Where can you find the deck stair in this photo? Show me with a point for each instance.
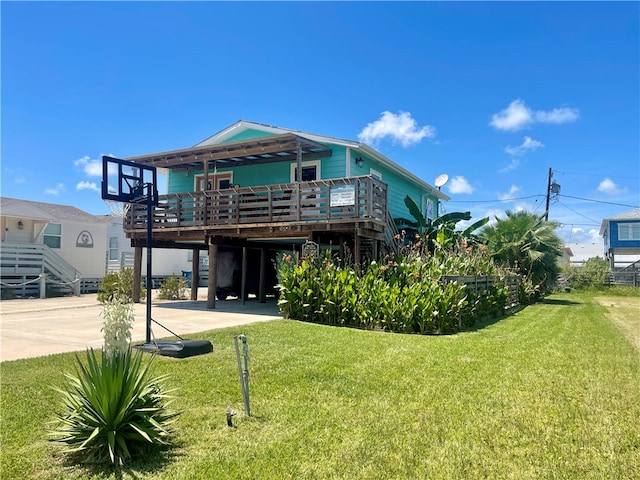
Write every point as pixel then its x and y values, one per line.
pixel 23 266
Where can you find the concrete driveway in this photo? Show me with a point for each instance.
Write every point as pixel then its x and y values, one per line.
pixel 36 327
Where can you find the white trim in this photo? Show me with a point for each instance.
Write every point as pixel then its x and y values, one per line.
pixel 310 163
pixel 375 174
pixel 347 163
pixel 214 178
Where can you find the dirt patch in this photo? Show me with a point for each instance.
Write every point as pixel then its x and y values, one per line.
pixel 624 313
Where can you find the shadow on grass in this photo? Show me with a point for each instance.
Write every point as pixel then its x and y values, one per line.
pixel 555 301
pixel 148 462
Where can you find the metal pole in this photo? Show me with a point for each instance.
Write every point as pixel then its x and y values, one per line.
pixel 546 210
pixel 149 280
pixel 243 374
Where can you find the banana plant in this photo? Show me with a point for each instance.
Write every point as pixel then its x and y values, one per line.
pixel 440 231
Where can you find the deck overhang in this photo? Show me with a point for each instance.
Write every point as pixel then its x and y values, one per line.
pixel 275 148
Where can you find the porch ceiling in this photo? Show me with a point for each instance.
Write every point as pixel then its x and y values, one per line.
pixel 276 148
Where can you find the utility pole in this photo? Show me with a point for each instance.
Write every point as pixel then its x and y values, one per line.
pixel 546 210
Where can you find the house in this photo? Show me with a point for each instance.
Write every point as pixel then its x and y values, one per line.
pixel 120 253
pixel 255 189
pixel 622 239
pixel 45 242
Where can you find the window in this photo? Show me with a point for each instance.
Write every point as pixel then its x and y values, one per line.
pixel 375 174
pixel 629 231
pixel 220 180
pixel 310 171
pixel 53 235
pixel 113 248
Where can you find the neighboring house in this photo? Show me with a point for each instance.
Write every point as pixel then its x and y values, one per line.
pixel 62 242
pixel 565 257
pixel 622 239
pixel 120 253
pixel 254 188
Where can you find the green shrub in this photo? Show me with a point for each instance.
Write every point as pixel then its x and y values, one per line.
pixel 119 285
pixel 112 409
pixel 173 288
pixel 7 293
pixel 594 273
pixel 401 294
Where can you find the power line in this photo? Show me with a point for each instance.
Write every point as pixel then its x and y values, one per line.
pixel 577 213
pixel 601 201
pixel 495 200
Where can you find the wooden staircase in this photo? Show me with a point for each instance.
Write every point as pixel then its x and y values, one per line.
pixel 23 265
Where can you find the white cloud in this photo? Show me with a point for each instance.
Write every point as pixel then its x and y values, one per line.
pixel 513 192
pixel 609 187
pixel 55 190
pixel 88 186
pixel 459 184
pixel 558 115
pixel 93 168
pixel 400 128
pixel 528 144
pixel 513 164
pixel 518 116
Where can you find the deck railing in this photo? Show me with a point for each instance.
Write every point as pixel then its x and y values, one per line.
pixel 318 201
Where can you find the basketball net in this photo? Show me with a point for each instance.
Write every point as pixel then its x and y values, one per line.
pixel 117 209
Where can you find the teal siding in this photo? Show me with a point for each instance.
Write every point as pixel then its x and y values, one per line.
pixel 398 188
pixel 331 167
pixel 247 135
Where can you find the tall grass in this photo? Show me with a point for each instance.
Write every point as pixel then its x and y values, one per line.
pixel 550 392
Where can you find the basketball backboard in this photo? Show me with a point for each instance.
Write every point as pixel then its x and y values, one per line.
pixel 129 182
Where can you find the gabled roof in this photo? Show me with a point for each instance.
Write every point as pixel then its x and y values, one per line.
pixel 630 215
pixel 218 147
pixel 48 212
pixel 243 125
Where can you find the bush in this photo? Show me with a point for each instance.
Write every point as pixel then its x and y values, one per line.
pixel 173 288
pixel 402 294
pixel 119 285
pixel 594 273
pixel 112 409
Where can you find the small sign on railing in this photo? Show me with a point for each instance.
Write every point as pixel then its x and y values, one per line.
pixel 343 196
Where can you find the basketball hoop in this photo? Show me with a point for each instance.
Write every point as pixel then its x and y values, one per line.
pixel 116 209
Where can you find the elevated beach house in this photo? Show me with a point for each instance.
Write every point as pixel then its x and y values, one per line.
pixel 622 239
pixel 256 189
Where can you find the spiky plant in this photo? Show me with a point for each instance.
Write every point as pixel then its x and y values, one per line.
pixel 112 409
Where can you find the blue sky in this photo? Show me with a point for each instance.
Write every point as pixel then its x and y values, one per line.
pixel 493 94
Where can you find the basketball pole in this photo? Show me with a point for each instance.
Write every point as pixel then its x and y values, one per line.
pixel 149 279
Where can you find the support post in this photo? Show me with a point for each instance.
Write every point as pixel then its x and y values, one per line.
pixel 212 282
pixel 43 285
pixel 195 273
pixel 243 282
pixel 262 286
pixel 137 274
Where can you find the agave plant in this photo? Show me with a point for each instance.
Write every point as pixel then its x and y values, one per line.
pixel 112 409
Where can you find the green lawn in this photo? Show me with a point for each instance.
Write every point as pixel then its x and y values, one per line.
pixel 550 392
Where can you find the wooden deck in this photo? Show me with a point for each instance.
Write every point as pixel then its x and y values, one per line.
pixel 269 211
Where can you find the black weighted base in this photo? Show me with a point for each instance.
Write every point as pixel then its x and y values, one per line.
pixel 177 348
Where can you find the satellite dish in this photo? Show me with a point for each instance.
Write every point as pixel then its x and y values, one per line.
pixel 441 180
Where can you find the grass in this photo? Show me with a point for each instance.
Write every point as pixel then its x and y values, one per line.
pixel 550 392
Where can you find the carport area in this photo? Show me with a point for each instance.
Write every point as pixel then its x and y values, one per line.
pixel 37 327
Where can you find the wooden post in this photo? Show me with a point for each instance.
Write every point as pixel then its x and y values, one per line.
pixel 137 273
pixel 195 273
pixel 211 284
pixel 243 283
pixel 262 288
pixel 356 252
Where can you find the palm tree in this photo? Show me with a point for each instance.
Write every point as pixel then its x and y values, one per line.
pixel 526 243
